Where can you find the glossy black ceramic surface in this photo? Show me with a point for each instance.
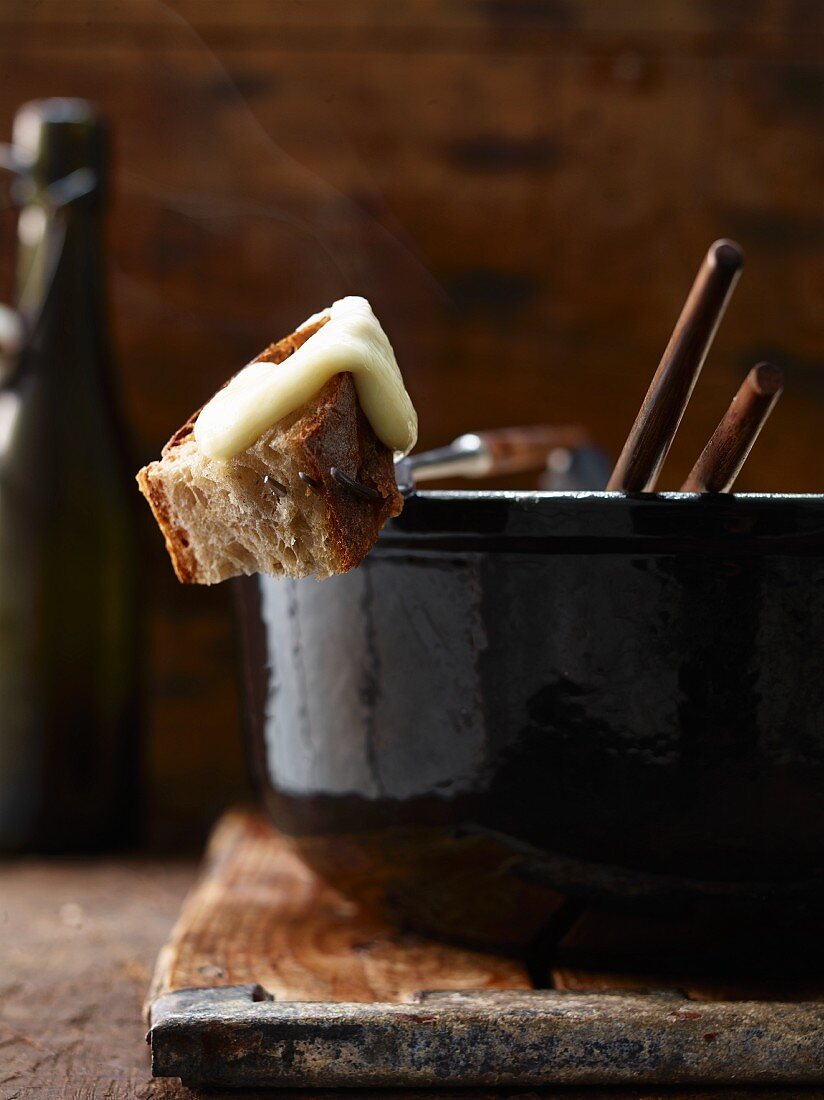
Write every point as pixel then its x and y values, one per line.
pixel 617 695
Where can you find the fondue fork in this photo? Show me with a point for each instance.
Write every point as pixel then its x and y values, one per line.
pixel 489 454
pixel 660 414
pixel 726 452
pixel 472 455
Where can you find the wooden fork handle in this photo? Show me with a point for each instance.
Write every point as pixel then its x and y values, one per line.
pixel 514 450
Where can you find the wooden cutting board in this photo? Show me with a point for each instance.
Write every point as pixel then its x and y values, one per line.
pixel 272 978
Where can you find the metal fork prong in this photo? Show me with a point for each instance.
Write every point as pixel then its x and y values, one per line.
pixel 308 481
pixel 275 485
pixel 357 487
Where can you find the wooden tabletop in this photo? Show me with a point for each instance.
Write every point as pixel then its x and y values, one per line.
pixel 77 947
pixel 79 940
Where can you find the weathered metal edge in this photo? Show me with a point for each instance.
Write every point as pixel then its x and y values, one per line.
pixel 237 1036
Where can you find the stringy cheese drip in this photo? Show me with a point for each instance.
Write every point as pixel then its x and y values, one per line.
pixel 260 395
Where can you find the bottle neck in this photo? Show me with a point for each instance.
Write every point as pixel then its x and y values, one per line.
pixel 61 286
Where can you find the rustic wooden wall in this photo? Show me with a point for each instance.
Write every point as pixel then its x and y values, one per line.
pixel 524 189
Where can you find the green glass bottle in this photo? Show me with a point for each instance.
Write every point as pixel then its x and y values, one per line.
pixel 69 627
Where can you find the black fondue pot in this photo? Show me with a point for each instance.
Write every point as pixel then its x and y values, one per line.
pixel 524 695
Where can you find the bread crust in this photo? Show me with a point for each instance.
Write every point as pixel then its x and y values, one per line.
pixel 153 487
pixel 330 430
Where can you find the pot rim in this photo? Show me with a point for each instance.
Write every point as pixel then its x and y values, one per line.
pixel 598 522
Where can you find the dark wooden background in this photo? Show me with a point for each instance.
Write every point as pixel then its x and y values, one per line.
pixel 523 188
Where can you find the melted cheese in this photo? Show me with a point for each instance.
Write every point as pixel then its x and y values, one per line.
pixel 260 395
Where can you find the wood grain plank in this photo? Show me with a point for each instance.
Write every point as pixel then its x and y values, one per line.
pixel 679 22
pixel 259 916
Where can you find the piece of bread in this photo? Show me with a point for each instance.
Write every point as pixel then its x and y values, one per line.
pixel 222 519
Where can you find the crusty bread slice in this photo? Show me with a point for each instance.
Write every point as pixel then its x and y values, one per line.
pixel 222 519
